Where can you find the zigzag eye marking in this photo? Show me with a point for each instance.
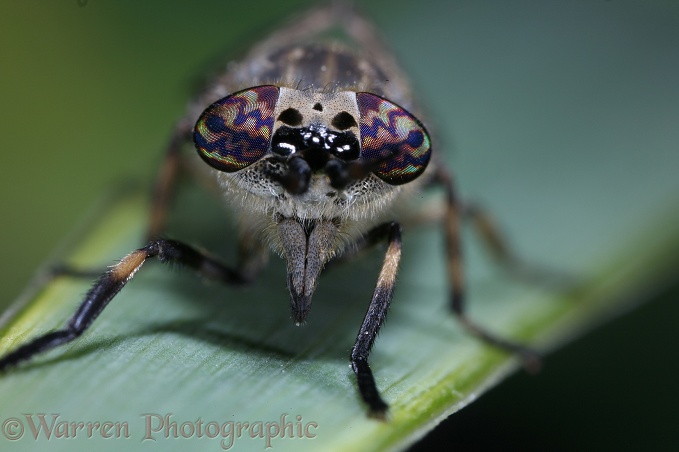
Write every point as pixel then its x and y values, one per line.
pixel 392 138
pixel 235 131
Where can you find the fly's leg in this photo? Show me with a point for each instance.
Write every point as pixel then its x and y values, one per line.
pixel 375 316
pixel 435 212
pixel 167 179
pixel 111 282
pixel 530 359
pixel 162 196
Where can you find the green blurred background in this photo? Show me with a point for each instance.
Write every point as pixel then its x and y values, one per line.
pixel 573 105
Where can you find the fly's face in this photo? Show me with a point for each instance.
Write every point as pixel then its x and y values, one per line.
pixel 313 154
pixel 311 169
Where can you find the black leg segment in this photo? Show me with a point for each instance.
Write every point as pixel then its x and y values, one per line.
pixel 374 318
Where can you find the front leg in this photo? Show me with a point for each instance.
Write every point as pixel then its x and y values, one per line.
pixel 377 312
pixel 111 282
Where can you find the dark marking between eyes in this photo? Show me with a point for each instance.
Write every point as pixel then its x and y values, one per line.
pixel 291 117
pixel 343 121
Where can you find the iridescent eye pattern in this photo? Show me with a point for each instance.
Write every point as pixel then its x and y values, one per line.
pixel 394 138
pixel 235 131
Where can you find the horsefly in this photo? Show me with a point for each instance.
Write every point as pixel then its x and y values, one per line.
pixel 313 139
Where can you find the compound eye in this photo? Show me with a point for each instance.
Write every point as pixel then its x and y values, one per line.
pixel 392 138
pixel 235 131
